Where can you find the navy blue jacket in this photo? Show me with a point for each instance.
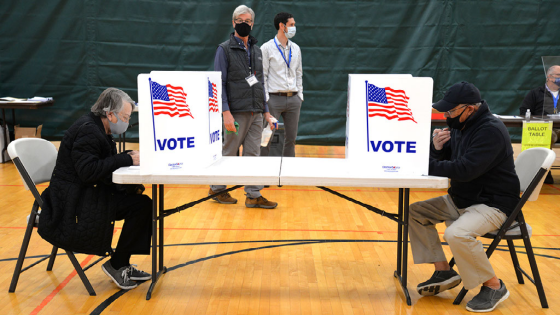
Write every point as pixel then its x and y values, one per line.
pixel 479 162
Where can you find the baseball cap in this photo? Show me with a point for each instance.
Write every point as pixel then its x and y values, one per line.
pixel 459 93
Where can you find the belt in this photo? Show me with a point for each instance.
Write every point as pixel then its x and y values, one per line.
pixel 288 94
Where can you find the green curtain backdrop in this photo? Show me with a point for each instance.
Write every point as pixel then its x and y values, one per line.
pixel 73 50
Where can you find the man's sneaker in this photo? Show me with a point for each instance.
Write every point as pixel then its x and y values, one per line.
pixel 138 275
pixel 120 277
pixel 439 282
pixel 260 202
pixel 487 299
pixel 224 198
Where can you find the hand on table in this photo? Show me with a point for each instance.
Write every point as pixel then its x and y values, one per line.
pixel 135 157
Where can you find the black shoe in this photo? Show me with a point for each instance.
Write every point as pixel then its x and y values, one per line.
pixel 439 282
pixel 548 179
pixel 487 299
pixel 138 275
pixel 120 277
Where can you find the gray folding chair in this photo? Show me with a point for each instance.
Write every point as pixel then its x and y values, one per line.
pixel 35 160
pixel 531 167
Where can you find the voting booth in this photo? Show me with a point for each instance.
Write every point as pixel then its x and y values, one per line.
pixel 388 120
pixel 180 118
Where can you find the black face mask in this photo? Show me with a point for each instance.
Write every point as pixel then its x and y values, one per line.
pixel 243 29
pixel 455 122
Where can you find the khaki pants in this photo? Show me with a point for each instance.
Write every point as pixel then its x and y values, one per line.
pixel 249 135
pixel 464 225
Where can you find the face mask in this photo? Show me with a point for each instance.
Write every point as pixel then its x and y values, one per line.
pixel 291 32
pixel 243 29
pixel 557 81
pixel 455 122
pixel 118 127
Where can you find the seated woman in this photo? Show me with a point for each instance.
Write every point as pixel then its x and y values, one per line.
pixel 82 203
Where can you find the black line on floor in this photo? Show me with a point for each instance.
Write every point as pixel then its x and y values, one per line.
pixel 101 307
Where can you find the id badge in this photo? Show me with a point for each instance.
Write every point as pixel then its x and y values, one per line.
pixel 252 80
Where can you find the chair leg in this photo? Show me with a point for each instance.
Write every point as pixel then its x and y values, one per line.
pixel 535 270
pixel 81 273
pixel 24 246
pixel 460 296
pixel 515 262
pixel 52 258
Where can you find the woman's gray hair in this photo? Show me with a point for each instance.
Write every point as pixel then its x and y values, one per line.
pixel 111 100
pixel 243 9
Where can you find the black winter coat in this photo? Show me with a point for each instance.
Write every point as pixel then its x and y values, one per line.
pixel 479 162
pixel 78 212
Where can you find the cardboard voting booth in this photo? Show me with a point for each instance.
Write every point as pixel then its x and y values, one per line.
pixel 180 118
pixel 388 121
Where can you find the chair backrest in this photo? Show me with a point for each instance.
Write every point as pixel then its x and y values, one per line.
pixel 37 157
pixel 529 163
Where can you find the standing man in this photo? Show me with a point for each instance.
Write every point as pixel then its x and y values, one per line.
pixel 477 156
pixel 243 101
pixel 283 76
pixel 543 100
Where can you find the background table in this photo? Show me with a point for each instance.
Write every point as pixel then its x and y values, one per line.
pixel 280 171
pixel 13 105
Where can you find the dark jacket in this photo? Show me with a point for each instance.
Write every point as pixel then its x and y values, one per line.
pixel 78 213
pixel 479 162
pixel 241 96
pixel 538 100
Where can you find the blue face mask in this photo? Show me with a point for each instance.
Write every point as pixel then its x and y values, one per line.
pixel 557 81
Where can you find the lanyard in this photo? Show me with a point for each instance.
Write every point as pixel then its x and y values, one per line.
pixel 555 100
pixel 281 53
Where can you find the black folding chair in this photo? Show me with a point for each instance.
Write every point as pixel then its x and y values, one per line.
pixel 35 160
pixel 531 167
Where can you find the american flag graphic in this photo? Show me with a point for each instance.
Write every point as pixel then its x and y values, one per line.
pixel 388 103
pixel 169 100
pixel 212 97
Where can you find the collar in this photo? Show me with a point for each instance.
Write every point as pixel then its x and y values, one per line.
pixel 99 123
pixel 279 43
pixel 239 42
pixel 548 89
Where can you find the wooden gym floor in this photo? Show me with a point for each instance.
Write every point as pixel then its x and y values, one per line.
pixel 314 254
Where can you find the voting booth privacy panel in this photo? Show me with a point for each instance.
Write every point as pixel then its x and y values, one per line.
pixel 388 123
pixel 387 130
pixel 180 117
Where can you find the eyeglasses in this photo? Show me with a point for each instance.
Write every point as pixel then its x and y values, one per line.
pixel 448 113
pixel 125 118
pixel 239 21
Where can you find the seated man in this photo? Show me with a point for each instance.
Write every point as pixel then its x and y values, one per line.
pixel 543 100
pixel 81 203
pixel 477 156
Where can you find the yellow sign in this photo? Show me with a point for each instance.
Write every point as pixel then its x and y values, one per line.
pixel 536 134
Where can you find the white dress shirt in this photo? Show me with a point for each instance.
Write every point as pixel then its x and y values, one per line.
pixel 278 77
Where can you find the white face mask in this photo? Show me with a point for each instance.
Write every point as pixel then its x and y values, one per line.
pixel 291 32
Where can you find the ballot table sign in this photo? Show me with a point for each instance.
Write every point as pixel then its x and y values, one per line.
pixel 388 121
pixel 536 134
pixel 180 120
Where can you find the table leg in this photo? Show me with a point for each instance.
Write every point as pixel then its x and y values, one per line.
pixel 5 132
pixel 162 268
pixel 402 243
pixel 154 242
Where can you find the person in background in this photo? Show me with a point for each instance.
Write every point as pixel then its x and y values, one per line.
pixel 239 59
pixel 543 100
pixel 283 78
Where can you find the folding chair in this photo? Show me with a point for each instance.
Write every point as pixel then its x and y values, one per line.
pixel 531 167
pixel 35 160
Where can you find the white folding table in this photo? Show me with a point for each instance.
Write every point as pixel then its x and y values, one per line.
pixel 318 172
